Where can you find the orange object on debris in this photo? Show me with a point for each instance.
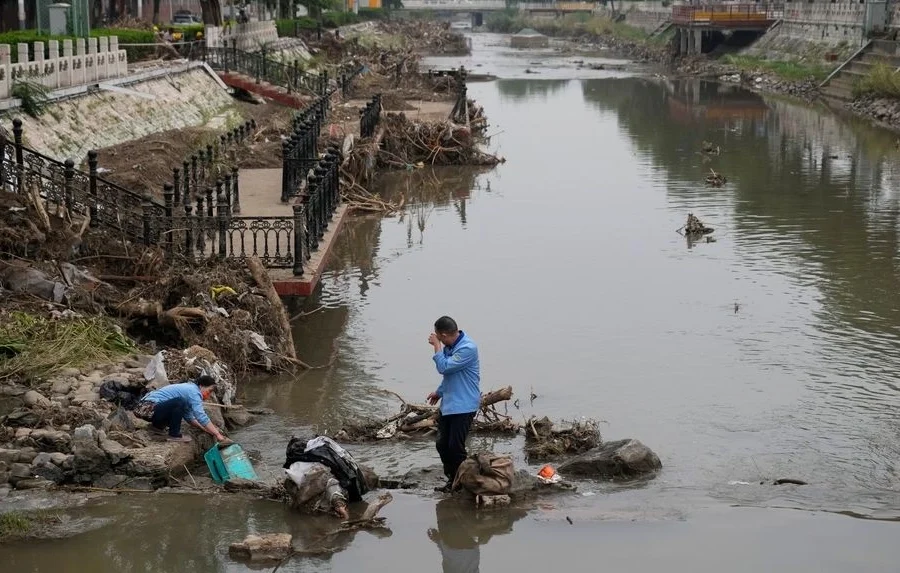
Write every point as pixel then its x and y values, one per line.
pixel 547 472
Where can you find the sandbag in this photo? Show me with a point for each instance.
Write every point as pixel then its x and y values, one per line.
pixel 485 473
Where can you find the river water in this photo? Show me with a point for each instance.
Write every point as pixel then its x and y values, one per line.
pixel 769 352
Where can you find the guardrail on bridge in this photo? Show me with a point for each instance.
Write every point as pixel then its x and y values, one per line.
pixel 728 15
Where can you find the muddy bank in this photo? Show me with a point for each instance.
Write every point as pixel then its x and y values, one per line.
pixel 145 164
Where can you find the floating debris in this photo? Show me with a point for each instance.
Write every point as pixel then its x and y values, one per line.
pixel 715 179
pixel 711 148
pixel 695 227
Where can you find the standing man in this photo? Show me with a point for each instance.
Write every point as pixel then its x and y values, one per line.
pixel 456 358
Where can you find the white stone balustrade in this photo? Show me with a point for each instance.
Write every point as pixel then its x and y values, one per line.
pixel 100 59
pixel 248 37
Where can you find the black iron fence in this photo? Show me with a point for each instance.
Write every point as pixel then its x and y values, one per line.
pixel 369 116
pixel 300 151
pixel 262 67
pixel 320 199
pixel 61 186
pixel 208 227
pixel 200 215
pixel 212 163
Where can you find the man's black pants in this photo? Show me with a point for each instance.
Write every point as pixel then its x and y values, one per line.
pixel 451 440
pixel 170 413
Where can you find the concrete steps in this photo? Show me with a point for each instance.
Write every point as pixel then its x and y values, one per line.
pixel 878 52
pixel 660 30
pixel 879 58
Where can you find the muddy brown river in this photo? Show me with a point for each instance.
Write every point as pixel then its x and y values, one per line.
pixel 770 352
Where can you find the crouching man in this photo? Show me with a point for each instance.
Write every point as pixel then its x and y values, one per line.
pixel 323 477
pixel 168 406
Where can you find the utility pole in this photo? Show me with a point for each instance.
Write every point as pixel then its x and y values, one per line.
pixel 21 14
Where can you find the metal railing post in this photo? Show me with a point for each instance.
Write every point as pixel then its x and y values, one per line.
pixel 222 208
pixel 176 186
pixel 68 186
pixel 236 197
pixel 188 231
pixel 92 187
pixel 169 195
pixel 147 205
pixel 298 240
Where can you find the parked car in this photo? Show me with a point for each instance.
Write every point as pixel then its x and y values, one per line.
pixel 185 18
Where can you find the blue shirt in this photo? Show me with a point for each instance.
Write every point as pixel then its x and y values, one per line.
pixel 189 392
pixel 459 391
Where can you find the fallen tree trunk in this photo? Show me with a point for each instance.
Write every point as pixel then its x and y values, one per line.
pixel 261 276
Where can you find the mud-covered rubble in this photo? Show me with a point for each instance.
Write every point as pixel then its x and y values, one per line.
pixel 62 432
pixel 760 80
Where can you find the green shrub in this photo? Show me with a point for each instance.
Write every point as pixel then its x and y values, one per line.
pixel 788 70
pixel 33 96
pixel 36 347
pixel 125 35
pixel 881 81
pixel 330 20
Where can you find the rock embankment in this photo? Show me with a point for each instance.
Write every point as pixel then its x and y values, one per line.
pixel 61 431
pixel 882 110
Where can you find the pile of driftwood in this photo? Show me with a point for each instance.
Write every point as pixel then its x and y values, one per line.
pixel 544 442
pixel 421 420
pixel 407 143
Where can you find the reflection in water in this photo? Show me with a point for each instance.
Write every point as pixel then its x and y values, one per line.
pixel 529 90
pixel 813 199
pixel 461 531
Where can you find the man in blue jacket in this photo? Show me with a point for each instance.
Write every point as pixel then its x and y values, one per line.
pixel 171 404
pixel 456 358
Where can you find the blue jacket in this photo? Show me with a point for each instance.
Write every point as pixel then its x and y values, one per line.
pixel 459 391
pixel 187 391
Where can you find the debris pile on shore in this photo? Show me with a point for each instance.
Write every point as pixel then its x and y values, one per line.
pixel 84 313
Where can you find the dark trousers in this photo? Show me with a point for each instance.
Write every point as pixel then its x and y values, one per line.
pixel 169 413
pixel 451 441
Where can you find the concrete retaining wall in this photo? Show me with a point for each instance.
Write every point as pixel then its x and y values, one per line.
pixel 644 15
pixel 825 23
pixel 84 64
pixel 178 98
